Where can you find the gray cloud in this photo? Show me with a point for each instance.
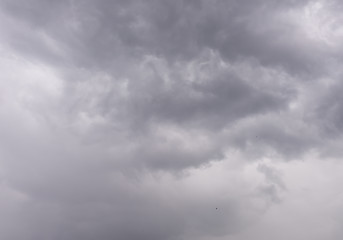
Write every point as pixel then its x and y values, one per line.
pixel 166 119
pixel 94 32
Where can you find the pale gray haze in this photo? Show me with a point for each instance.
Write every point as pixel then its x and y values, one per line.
pixel 171 120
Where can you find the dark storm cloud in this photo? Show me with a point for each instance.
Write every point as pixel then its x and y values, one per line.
pixel 329 110
pixel 144 119
pixel 219 99
pixel 94 32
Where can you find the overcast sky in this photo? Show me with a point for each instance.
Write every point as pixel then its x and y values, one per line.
pixel 171 120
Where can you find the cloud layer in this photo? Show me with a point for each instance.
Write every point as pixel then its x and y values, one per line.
pixel 170 120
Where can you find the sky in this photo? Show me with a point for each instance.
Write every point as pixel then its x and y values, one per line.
pixel 171 119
